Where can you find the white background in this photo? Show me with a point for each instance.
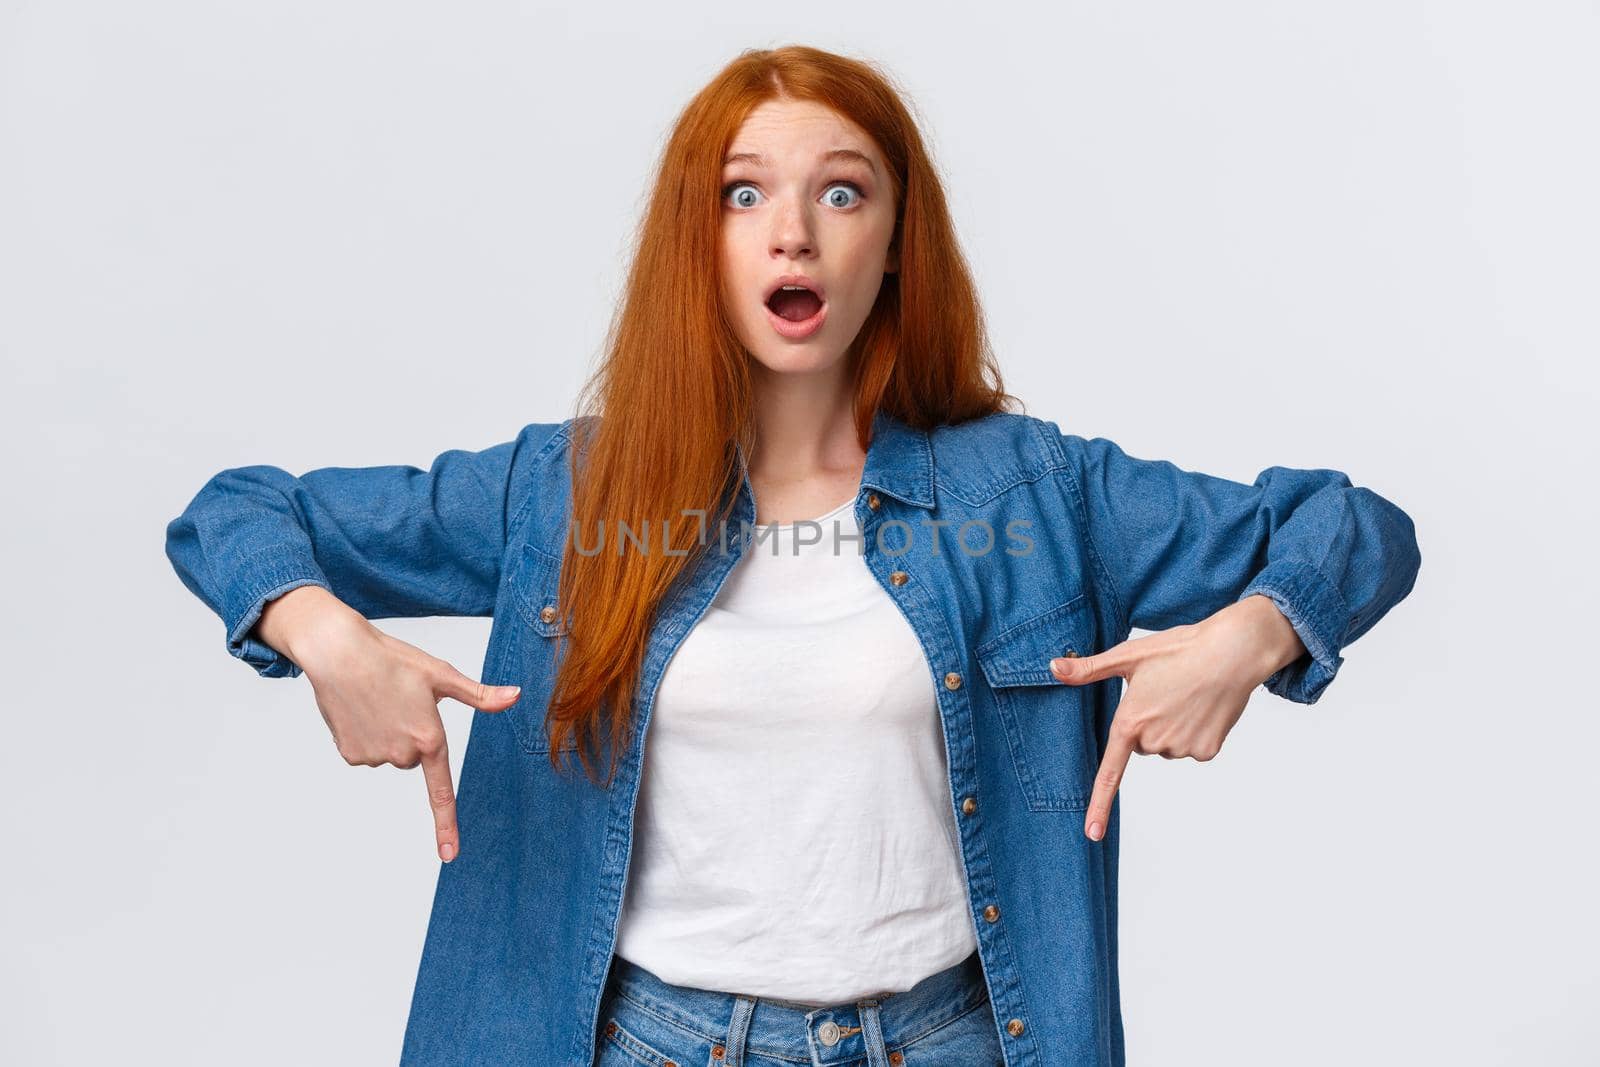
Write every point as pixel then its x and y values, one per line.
pixel 1357 235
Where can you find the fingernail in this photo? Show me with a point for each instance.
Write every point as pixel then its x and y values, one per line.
pixel 447 851
pixel 512 690
pixel 1060 664
pixel 1094 831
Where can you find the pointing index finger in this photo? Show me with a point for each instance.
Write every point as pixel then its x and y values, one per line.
pixel 1107 779
pixel 442 799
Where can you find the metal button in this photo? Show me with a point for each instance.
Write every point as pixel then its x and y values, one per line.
pixel 717 1052
pixel 873 501
pixel 897 1058
pixel 1014 1027
pixel 952 680
pixel 968 806
pixel 547 614
pixel 829 1033
pixel 991 913
pixel 898 577
pixel 1070 653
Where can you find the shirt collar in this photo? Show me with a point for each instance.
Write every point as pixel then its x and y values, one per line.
pixel 899 461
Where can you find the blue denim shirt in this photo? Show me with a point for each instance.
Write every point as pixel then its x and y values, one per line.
pixel 1047 542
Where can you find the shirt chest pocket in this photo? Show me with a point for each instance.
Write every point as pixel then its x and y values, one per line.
pixel 531 653
pixel 1049 725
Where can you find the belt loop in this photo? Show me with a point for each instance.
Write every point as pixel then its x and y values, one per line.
pixel 738 1029
pixel 872 1033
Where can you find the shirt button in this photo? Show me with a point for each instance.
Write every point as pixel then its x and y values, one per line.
pixel 547 614
pixel 898 577
pixel 952 680
pixel 829 1033
pixel 1015 1028
pixel 1070 653
pixel 873 501
pixel 968 806
pixel 991 913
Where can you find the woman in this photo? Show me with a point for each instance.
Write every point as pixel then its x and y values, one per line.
pixel 878 822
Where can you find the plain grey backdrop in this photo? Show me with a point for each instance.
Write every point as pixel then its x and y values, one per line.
pixel 1232 235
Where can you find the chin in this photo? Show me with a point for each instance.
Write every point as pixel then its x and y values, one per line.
pixel 796 358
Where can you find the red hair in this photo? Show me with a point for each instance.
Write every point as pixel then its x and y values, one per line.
pixel 675 378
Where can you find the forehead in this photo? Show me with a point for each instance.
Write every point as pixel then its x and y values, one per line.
pixel 798 132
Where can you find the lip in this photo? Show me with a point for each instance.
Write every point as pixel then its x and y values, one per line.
pixel 805 327
pixel 795 279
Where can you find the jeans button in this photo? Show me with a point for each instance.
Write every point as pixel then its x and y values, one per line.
pixel 829 1033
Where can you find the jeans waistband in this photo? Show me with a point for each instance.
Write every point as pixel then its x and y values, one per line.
pixel 782 1028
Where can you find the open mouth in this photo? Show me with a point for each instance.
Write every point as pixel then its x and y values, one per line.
pixel 794 303
pixel 796 308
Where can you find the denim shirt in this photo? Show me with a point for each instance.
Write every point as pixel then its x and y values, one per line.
pixel 1004 541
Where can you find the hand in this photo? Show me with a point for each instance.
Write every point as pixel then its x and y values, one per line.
pixel 380 698
pixel 1187 686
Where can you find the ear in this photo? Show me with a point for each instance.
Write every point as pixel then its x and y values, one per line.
pixel 891 262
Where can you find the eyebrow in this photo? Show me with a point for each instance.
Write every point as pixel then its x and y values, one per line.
pixel 846 154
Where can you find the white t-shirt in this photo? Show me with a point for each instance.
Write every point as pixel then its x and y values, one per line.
pixel 794 837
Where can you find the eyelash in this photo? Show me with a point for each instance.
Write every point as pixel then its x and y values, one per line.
pixel 860 195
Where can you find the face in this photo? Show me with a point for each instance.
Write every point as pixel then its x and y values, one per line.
pixel 805 194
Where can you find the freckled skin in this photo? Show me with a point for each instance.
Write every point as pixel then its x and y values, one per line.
pixel 793 224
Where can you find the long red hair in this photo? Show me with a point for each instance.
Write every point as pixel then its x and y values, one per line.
pixel 673 391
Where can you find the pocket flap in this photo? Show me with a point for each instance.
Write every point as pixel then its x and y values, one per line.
pixel 534 585
pixel 1021 655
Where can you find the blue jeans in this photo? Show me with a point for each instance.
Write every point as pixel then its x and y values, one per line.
pixel 945 1020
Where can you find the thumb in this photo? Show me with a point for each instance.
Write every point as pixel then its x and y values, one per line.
pixel 473 693
pixel 1080 670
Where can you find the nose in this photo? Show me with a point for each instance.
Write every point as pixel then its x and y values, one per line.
pixel 792 234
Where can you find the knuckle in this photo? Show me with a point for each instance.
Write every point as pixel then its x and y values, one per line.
pixel 1132 719
pixel 441 796
pixel 432 670
pixel 439 671
pixel 441 676
pixel 429 741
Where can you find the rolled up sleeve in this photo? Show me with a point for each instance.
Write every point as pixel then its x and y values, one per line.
pixel 1176 546
pixel 390 541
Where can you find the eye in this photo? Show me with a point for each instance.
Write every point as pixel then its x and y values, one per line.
pixel 742 199
pixel 832 195
pixel 839 194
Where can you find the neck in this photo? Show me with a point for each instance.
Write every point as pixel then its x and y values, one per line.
pixel 804 426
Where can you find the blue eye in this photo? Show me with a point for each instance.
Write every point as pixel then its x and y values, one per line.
pixel 743 194
pixel 833 201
